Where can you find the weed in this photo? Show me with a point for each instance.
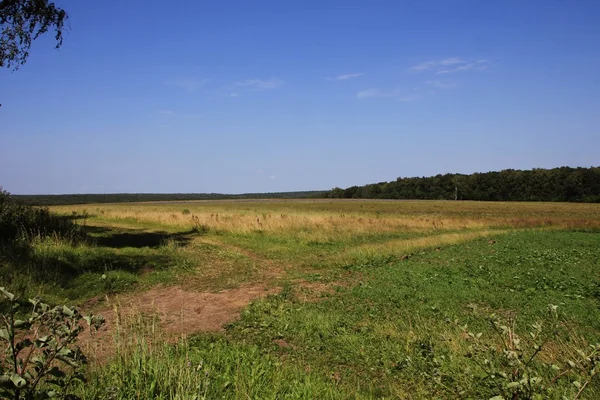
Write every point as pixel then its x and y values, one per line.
pixel 40 359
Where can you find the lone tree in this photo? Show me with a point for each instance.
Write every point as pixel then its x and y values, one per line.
pixel 23 21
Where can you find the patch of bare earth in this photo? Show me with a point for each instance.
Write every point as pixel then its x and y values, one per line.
pixel 186 312
pixel 179 312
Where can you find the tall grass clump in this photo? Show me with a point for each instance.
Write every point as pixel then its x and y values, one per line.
pixel 27 236
pixel 22 222
pixel 146 363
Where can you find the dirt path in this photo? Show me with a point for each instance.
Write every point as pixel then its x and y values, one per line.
pixel 187 312
pixel 178 313
pixel 270 268
pixel 180 310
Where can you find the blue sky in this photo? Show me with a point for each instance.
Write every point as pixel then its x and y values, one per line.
pixel 262 96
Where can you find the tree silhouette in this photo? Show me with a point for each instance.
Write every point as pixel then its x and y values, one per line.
pixel 23 21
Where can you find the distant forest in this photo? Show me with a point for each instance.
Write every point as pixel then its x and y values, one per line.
pixel 58 199
pixel 557 184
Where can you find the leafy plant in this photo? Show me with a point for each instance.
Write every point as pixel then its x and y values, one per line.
pixel 23 222
pixel 40 359
pixel 511 368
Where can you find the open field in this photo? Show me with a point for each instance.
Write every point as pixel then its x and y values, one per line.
pixel 330 298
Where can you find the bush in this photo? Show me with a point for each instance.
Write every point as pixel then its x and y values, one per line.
pixel 39 358
pixel 18 221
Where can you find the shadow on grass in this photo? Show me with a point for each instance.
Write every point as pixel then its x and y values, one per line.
pixel 136 239
pixel 79 265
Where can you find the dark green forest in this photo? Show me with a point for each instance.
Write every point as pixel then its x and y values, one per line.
pixel 59 199
pixel 557 184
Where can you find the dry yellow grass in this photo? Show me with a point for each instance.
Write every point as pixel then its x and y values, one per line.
pixel 343 217
pixel 404 246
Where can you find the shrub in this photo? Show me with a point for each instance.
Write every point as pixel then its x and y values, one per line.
pixel 510 369
pixel 18 221
pixel 39 358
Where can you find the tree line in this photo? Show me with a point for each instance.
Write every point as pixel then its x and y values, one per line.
pixel 557 184
pixel 66 199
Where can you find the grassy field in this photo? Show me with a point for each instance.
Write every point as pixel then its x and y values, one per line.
pixel 361 299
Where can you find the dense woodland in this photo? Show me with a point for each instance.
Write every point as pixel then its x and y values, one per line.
pixel 557 184
pixel 57 199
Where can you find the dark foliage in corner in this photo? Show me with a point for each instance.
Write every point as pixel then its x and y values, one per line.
pixel 23 21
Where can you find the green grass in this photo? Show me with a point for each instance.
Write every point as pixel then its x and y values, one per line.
pixel 403 322
pixel 205 368
pixel 355 318
pixel 400 330
pixel 67 271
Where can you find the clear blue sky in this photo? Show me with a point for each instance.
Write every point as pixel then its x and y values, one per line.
pixel 256 96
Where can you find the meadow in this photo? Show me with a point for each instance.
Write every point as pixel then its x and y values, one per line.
pixel 328 298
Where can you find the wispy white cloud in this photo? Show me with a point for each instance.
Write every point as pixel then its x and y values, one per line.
pixel 424 66
pixel 346 76
pixel 188 84
pixel 272 177
pixel 440 85
pixel 452 61
pixel 479 65
pixel 166 112
pixel 260 84
pixel 450 65
pixel 395 94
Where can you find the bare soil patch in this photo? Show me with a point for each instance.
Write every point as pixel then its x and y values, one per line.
pixel 179 312
pixel 187 312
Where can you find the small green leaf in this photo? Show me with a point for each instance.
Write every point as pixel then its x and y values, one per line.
pixel 577 384
pixel 7 294
pixel 66 310
pixel 18 381
pixel 64 352
pixel 4 334
pixel 535 380
pixel 497 398
pixel 22 324
pixel 41 341
pixel 512 385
